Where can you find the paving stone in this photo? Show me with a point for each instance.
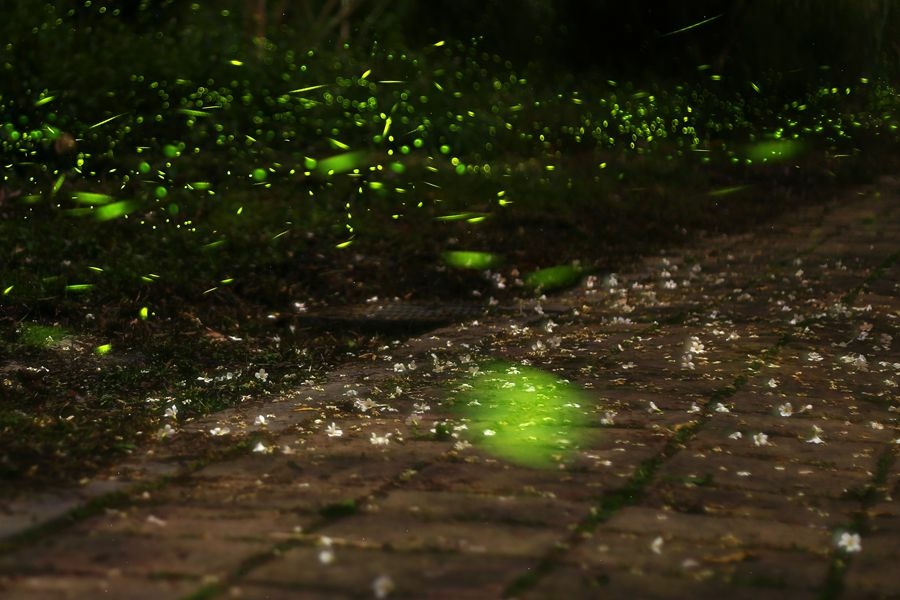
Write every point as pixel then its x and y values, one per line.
pixel 352 571
pixel 62 587
pixel 591 583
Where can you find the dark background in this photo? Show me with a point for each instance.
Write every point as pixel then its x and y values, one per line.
pixel 624 39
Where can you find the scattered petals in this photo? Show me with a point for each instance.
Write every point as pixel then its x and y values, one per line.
pixel 219 431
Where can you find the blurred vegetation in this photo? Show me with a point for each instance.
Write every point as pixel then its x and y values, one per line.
pixel 181 181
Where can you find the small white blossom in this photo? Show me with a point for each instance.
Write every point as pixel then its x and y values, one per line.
pixel 849 542
pixel 172 412
pixel 399 368
pixel 721 408
pixel 608 418
pixel 261 448
pixel 653 408
pixel 786 410
pixel 694 408
pixel 657 544
pixel 772 383
pixel 761 439
pixel 334 431
pixel 154 520
pixel 379 440
pixel 167 431
pixel 261 420
pixel 262 375
pixel 219 431
pixel 364 405
pixel 736 435
pixel 326 555
pixel 815 439
pixel 489 433
pixel 814 357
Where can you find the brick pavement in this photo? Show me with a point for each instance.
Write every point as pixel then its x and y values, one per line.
pixel 731 411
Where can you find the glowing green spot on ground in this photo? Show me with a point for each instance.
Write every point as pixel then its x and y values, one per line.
pixel 774 150
pixel 397 167
pixel 462 259
pixel 343 244
pixel 171 151
pixel 523 415
pixel 8 290
pixel 200 185
pixel 79 287
pixel 445 149
pixel 45 100
pixel 341 163
pixel 103 349
pixel 553 278
pixel 258 174
pixel 144 168
pixel 91 198
pixel 235 62
pixel 160 192
pixel 41 336
pixel 310 163
pixel 114 210
pixel 144 313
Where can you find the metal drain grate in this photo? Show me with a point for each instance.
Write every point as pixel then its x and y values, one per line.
pixel 395 315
